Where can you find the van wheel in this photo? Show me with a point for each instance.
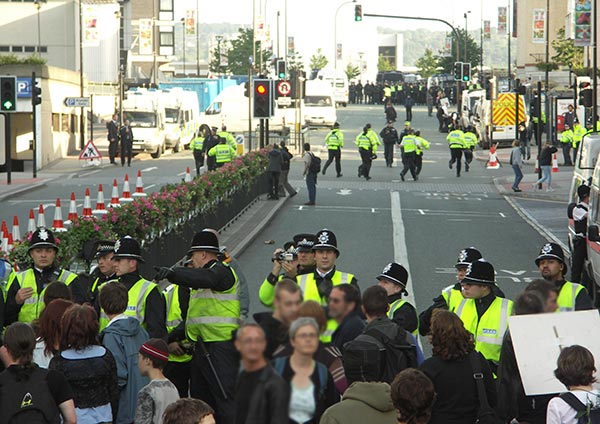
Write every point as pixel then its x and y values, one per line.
pixel 344 104
pixel 158 153
pixel 177 147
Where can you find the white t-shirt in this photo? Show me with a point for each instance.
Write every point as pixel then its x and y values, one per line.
pixel 559 412
pixel 302 403
pixel 39 356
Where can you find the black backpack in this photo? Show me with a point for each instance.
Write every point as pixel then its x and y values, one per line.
pixel 390 355
pixel 27 400
pixel 570 208
pixel 315 164
pixel 584 415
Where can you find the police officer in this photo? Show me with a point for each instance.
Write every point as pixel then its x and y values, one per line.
pixel 318 284
pixel 229 138
pixel 25 289
pixel 580 218
pixel 106 269
pixel 211 140
pixel 197 148
pixel 470 143
pixel 456 142
pixel 578 133
pixel 305 263
pixel 566 141
pixel 126 143
pixel 222 152
pixel 484 314
pixel 145 302
pixel 213 316
pixel 389 135
pixel 334 141
pixel 552 266
pixel 393 279
pixel 422 145
pixel 409 146
pixel 365 149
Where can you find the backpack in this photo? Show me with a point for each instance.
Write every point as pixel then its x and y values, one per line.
pixel 390 356
pixel 315 164
pixel 279 365
pixel 570 207
pixel 28 400
pixel 584 415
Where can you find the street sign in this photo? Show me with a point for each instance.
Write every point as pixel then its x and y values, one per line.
pixel 284 101
pixel 284 88
pixel 90 151
pixel 77 102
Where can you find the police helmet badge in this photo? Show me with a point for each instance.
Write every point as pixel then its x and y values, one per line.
pixel 546 249
pixel 469 268
pixel 324 237
pixel 117 245
pixel 462 256
pixel 43 234
pixel 387 268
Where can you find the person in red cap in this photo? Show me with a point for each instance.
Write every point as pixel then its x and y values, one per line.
pixel 154 398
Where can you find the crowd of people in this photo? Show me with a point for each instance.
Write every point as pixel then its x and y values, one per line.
pixel 181 348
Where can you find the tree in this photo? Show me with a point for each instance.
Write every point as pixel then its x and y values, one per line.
pixel 427 64
pixel 566 51
pixel 295 63
pixel 318 60
pixel 352 71
pixel 238 53
pixel 473 52
pixel 384 65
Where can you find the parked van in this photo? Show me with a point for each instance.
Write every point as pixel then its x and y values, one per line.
pixel 146 114
pixel 339 83
pixel 181 116
pixel 319 104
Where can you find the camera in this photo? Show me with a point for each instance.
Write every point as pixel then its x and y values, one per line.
pixel 286 256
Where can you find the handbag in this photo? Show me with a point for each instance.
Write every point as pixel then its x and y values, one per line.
pixel 485 414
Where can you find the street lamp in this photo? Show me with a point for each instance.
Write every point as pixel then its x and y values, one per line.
pixel 466 36
pixel 335 33
pixel 183 45
pixel 219 38
pixel 38 6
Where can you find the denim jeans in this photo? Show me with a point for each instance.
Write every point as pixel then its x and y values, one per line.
pixel 518 175
pixel 311 186
pixel 546 175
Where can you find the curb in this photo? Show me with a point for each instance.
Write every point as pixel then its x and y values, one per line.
pixel 499 184
pixel 24 189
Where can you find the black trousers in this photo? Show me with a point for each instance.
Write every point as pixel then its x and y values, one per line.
pixel 337 156
pixel 199 160
pixel 408 113
pixel 456 156
pixel 578 259
pixel 419 164
pixel 365 167
pixel 113 146
pixel 204 386
pixel 179 374
pixel 274 184
pixel 126 151
pixel 566 148
pixel 211 163
pixel 388 153
pixel 468 158
pixel 410 159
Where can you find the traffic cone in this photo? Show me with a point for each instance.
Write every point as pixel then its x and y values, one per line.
pixel 10 244
pixel 72 210
pixel 188 176
pixel 41 221
pixel 100 207
pixel 87 203
pixel 139 186
pixel 126 191
pixel 4 237
pixel 114 197
pixel 554 163
pixel 493 160
pixel 31 222
pixel 57 224
pixel 536 168
pixel 16 231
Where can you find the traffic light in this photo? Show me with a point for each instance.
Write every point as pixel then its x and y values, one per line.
pixel 263 98
pixel 458 71
pixel 8 94
pixel 358 13
pixel 585 94
pixel 246 89
pixel 466 72
pixel 36 94
pixel 281 71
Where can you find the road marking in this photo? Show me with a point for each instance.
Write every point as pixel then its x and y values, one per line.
pixel 149 186
pixel 180 174
pixel 87 174
pixel 152 168
pixel 502 215
pixel 344 192
pixel 421 212
pixel 300 208
pixel 459 220
pixel 348 208
pixel 400 250
pixel 372 210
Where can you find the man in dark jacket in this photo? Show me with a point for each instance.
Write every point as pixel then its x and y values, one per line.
pixel 343 305
pixel 113 138
pixel 262 396
pixel 274 170
pixel 211 141
pixel 389 134
pixel 126 143
pixel 390 112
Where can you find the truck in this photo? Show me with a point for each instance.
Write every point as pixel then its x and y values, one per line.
pixel 181 116
pixel 339 83
pixel 146 114
pixel 496 119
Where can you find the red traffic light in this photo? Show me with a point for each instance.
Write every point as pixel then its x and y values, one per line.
pixel 261 89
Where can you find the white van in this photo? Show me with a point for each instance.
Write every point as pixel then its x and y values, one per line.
pixel 181 116
pixel 339 83
pixel 146 114
pixel 319 104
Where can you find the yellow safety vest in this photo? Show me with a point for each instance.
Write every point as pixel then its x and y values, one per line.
pixel 470 139
pixel 566 137
pixel 489 330
pixel 456 139
pixel 424 145
pixel 197 143
pixel 310 291
pixel 213 316
pixel 397 304
pixel 136 301
pixel 33 307
pixel 387 91
pixel 363 141
pixel 409 143
pixel 174 318
pixel 223 153
pixel 567 296
pixel 453 297
pixel 334 140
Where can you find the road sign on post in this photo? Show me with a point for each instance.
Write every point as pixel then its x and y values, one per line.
pixel 77 101
pixel 283 88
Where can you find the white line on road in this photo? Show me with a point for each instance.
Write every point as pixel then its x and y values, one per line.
pixel 502 215
pixel 180 174
pixel 149 186
pixel 152 168
pixel 460 220
pixel 372 210
pixel 300 208
pixel 87 174
pixel 400 250
pixel 421 212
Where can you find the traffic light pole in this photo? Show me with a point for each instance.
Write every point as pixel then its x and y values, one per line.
pixel 261 135
pixel 7 148
pixel 538 129
pixel 34 147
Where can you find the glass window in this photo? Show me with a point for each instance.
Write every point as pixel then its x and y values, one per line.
pixel 65 122
pixel 29 49
pixel 17 49
pixel 44 49
pixel 4 48
pixel 165 5
pixel 166 39
pixel 56 122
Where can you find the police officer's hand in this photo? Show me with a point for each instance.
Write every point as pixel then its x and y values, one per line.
pixel 23 295
pixel 289 268
pixel 276 264
pixel 176 349
pixel 162 273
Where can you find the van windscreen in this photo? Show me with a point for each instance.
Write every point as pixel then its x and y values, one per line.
pixel 317 101
pixel 171 115
pixel 139 119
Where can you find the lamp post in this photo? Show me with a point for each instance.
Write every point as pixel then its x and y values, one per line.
pixel 197 40
pixel 81 120
pixel 508 39
pixel 335 33
pixel 183 44
pixel 219 38
pixel 466 36
pixel 38 6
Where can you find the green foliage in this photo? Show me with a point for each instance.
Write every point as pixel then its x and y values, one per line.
pixel 384 65
pixel 352 71
pixel 318 60
pixel 295 63
pixel 473 52
pixel 427 64
pixel 551 66
pixel 566 52
pixel 13 59
pixel 238 51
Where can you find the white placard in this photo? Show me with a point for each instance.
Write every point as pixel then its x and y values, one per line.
pixel 538 340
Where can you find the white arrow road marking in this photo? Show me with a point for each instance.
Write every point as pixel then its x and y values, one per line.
pixel 152 168
pixel 344 192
